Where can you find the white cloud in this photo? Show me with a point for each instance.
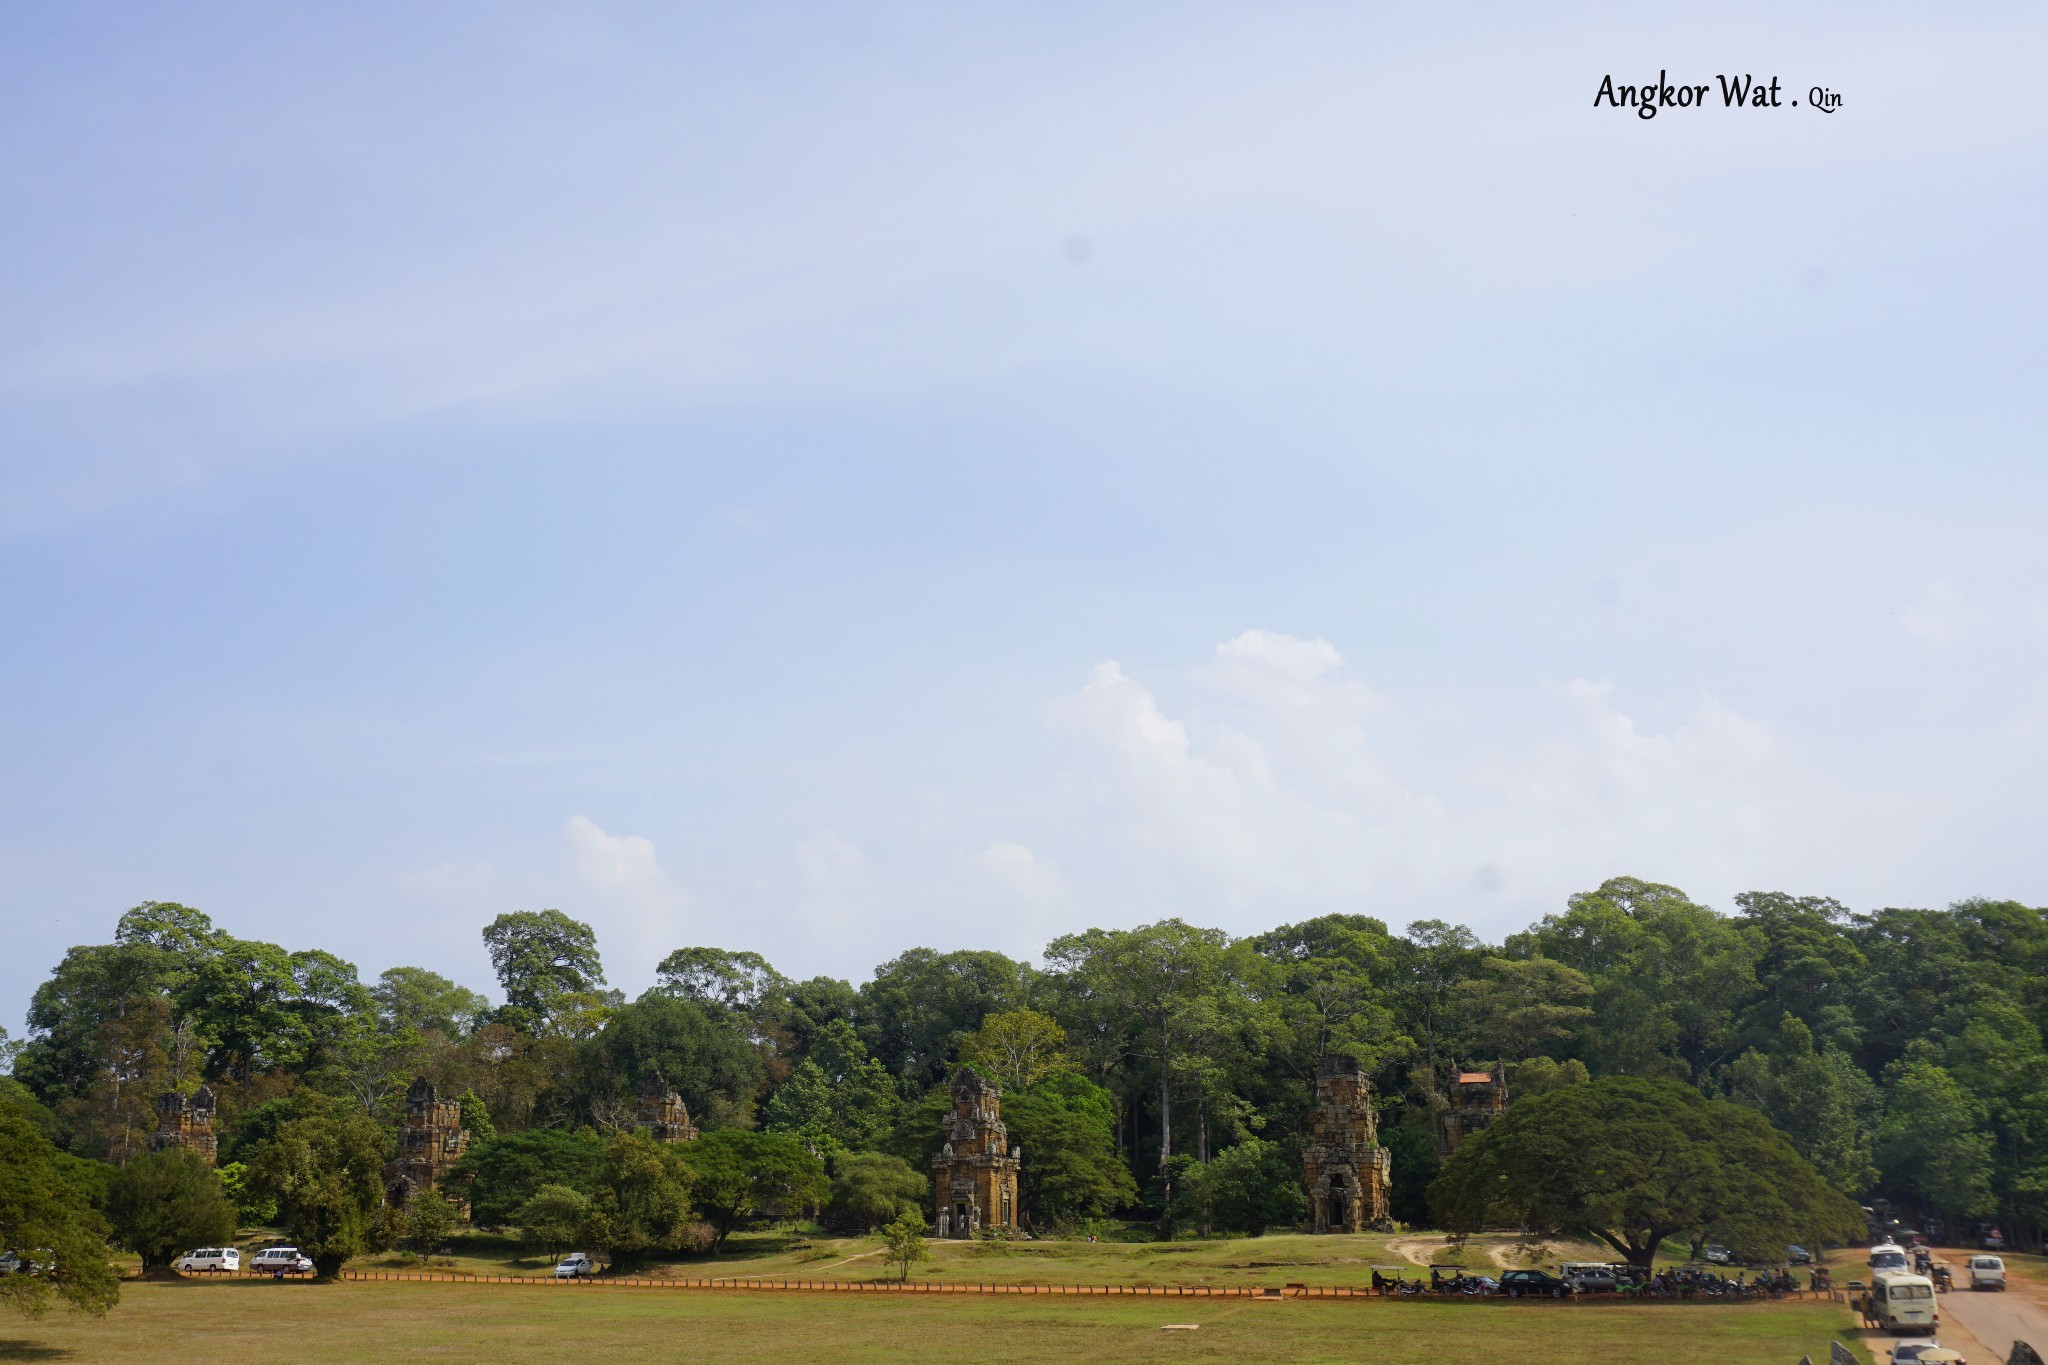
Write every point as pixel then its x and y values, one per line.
pixel 1294 801
pixel 830 863
pixel 625 893
pixel 1028 877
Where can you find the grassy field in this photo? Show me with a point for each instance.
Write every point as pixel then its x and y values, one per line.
pixel 176 1324
pixel 1270 1260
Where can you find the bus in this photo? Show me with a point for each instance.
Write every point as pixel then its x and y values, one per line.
pixel 1899 1302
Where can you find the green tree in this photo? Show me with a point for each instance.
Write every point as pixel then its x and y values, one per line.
pixel 1821 1100
pixel 903 1243
pixel 870 1189
pixel 1633 1162
pixel 920 1004
pixel 643 1197
pixel 1066 1126
pixel 838 1093
pixel 476 1117
pixel 325 1171
pixel 46 1208
pixel 1165 983
pixel 415 1000
pixel 1253 1186
pixel 740 1176
pixel 252 1209
pixel 550 1220
pixel 163 1202
pixel 544 961
pixel 1517 1007
pixel 715 1069
pixel 498 1176
pixel 429 1220
pixel 731 985
pixel 1933 1145
pixel 1017 1048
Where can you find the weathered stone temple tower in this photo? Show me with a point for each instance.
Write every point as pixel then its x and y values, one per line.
pixel 1348 1174
pixel 663 1115
pixel 974 1176
pixel 1477 1099
pixel 431 1141
pixel 186 1121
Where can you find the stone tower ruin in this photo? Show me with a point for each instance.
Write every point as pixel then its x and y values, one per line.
pixel 1348 1174
pixel 974 1176
pixel 663 1115
pixel 432 1140
pixel 1477 1099
pixel 186 1121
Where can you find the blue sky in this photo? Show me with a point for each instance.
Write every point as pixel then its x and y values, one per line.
pixel 831 479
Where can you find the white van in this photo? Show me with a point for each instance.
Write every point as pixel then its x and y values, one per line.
pixel 1987 1272
pixel 1887 1256
pixel 1899 1302
pixel 270 1260
pixel 211 1259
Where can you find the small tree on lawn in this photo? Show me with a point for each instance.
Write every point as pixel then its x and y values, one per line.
pixel 552 1219
pixel 430 1219
pixel 903 1241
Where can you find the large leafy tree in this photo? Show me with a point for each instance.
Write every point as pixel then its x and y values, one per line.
pixel 1821 1101
pixel 738 1176
pixel 46 1210
pixel 1518 1006
pixel 1066 1125
pixel 498 1177
pixel 870 1189
pixel 715 1068
pixel 922 1003
pixel 1156 992
pixel 1017 1048
pixel 325 1172
pixel 1933 1146
pixel 164 1202
pixel 415 1000
pixel 838 1093
pixel 1633 1162
pixel 547 965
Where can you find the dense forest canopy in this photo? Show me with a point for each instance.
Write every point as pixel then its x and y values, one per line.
pixel 1164 1071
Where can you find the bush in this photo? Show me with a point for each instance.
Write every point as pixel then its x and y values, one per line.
pixel 164 1202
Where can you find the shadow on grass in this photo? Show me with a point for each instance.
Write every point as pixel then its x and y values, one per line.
pixel 30 1350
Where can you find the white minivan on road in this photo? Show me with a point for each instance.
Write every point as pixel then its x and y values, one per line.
pixel 1987 1272
pixel 210 1258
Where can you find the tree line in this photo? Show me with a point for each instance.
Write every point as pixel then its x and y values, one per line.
pixel 1163 1073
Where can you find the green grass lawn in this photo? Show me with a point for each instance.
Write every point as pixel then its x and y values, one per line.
pixel 452 1324
pixel 1271 1260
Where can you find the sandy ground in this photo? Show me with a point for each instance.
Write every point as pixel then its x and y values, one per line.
pixel 1983 1326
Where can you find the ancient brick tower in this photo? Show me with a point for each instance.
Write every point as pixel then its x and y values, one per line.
pixel 1348 1174
pixel 186 1121
pixel 974 1176
pixel 1477 1099
pixel 431 1141
pixel 663 1115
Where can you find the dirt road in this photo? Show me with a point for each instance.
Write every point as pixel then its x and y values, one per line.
pixel 1997 1320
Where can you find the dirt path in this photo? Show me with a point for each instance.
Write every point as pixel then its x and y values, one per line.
pixel 851 1259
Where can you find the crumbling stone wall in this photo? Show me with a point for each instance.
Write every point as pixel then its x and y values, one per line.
pixel 186 1121
pixel 1477 1099
pixel 1348 1176
pixel 663 1116
pixel 432 1140
pixel 974 1176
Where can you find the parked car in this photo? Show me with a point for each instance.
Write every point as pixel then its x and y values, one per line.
pixel 575 1266
pixel 1797 1255
pixel 1987 1272
pixel 271 1260
pixel 211 1259
pixel 1589 1277
pixel 1717 1254
pixel 35 1263
pixel 1523 1284
pixel 1925 1353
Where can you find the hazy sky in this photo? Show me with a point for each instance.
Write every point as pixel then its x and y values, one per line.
pixel 828 479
